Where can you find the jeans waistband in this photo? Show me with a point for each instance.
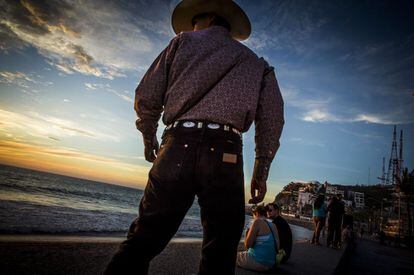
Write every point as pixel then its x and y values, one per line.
pixel 195 124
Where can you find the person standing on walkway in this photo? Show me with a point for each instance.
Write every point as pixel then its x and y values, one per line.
pixel 319 217
pixel 210 89
pixel 283 229
pixel 335 214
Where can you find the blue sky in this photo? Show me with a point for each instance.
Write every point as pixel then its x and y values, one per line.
pixel 68 71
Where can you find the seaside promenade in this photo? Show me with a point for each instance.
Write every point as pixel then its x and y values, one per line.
pixel 89 255
pixel 372 258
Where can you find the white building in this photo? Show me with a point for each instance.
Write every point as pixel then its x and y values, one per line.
pixel 347 203
pixel 304 198
pixel 331 190
pixel 340 192
pixel 359 200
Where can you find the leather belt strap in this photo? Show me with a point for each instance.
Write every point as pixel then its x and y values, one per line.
pixel 203 124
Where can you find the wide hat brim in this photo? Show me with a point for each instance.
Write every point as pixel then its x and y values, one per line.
pixel 229 10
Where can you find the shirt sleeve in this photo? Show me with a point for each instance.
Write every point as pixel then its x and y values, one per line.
pixel 149 95
pixel 269 118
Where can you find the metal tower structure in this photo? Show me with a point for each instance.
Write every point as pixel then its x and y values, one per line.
pixel 400 161
pixel 383 178
pixel 395 162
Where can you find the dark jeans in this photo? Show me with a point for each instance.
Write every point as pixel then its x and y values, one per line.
pixel 334 232
pixel 190 163
pixel 319 223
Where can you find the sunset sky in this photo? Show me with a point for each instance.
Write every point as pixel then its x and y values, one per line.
pixel 68 71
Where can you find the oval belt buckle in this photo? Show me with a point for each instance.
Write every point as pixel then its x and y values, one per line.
pixel 213 126
pixel 188 124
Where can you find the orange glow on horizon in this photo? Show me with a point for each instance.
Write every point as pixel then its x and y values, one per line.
pixel 72 163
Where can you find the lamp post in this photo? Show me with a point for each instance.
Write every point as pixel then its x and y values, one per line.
pixel 382 207
pixel 399 214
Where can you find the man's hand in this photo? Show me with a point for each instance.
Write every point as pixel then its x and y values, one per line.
pixel 260 187
pixel 258 183
pixel 151 148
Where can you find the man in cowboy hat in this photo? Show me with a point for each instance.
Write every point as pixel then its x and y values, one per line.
pixel 211 88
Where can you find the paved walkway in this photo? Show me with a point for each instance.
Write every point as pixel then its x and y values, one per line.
pixel 372 258
pixel 307 259
pixel 89 255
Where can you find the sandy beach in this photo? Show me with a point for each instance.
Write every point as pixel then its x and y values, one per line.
pixel 44 254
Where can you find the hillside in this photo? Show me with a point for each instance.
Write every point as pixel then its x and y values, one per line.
pixel 373 193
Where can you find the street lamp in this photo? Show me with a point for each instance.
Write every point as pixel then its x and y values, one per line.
pixel 382 206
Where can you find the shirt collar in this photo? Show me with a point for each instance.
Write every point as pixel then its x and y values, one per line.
pixel 220 30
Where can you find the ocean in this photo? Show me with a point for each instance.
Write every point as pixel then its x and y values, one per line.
pixel 34 202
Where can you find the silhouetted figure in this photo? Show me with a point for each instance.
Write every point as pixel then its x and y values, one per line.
pixel 382 237
pixel 283 228
pixel 209 88
pixel 319 217
pixel 361 232
pixel 335 214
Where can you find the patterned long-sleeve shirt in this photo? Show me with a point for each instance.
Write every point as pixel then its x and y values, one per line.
pixel 241 87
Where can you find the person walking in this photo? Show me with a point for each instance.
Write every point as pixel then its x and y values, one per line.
pixel 261 242
pixel 335 215
pixel 210 89
pixel 283 229
pixel 319 217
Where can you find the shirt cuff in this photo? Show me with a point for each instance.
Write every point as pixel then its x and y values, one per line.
pixel 147 128
pixel 261 168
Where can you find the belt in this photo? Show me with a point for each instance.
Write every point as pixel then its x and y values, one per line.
pixel 203 124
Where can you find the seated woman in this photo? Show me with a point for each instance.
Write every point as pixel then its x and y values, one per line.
pixel 260 243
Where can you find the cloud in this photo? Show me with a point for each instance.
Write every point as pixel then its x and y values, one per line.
pixel 120 95
pixel 361 135
pixel 370 118
pixel 325 116
pixel 25 81
pixel 9 77
pixel 45 126
pixel 19 79
pixel 307 142
pixel 320 116
pixel 55 139
pixel 93 86
pixel 324 107
pixel 107 87
pixel 296 98
pixel 100 38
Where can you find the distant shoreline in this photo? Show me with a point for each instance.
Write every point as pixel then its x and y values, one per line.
pixel 60 238
pixel 116 235
pixel 108 237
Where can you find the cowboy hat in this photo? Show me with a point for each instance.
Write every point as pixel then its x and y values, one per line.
pixel 229 10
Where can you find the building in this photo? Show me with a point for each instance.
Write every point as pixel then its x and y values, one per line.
pixel 347 203
pixel 359 200
pixel 304 198
pixel 305 201
pixel 340 192
pixel 331 190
